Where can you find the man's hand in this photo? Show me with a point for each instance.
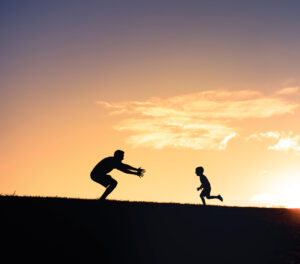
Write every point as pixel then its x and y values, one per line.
pixel 140 172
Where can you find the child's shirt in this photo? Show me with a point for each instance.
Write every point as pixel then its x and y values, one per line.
pixel 204 181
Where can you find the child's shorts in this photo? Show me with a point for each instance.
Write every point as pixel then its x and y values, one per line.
pixel 205 192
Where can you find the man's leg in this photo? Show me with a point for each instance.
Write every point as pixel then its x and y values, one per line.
pixel 107 181
pixel 112 185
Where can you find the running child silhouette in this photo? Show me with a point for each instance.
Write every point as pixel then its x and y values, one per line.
pixel 205 185
pixel 100 173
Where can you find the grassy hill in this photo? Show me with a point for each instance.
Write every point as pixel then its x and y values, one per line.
pixel 58 229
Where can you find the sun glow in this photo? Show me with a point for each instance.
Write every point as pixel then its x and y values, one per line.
pixel 290 193
pixel 286 195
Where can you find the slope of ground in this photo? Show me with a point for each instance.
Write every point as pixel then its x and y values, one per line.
pixel 60 229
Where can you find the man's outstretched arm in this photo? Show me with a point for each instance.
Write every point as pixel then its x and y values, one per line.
pixel 130 170
pixel 128 167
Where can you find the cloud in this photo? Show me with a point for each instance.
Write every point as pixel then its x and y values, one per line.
pixel 224 142
pixel 159 133
pixel 284 141
pixel 261 135
pixel 213 104
pixel 198 120
pixel 287 143
pixel 288 90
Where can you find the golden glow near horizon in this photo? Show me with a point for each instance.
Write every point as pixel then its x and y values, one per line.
pixel 285 194
pixel 191 85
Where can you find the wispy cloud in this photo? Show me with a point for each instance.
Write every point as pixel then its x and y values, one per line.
pixel 167 131
pixel 262 135
pixel 287 143
pixel 288 90
pixel 282 141
pixel 198 120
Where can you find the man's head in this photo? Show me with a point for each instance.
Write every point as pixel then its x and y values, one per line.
pixel 119 155
pixel 199 171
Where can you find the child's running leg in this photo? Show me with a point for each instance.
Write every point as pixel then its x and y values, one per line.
pixel 203 200
pixel 215 197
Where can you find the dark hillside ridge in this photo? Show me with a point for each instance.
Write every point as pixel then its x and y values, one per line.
pixel 65 230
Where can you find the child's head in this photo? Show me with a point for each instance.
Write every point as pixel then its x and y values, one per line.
pixel 199 171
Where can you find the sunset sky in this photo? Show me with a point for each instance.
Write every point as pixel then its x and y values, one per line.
pixel 175 84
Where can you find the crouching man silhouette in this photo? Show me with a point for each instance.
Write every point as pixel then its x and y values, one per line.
pixel 100 173
pixel 205 185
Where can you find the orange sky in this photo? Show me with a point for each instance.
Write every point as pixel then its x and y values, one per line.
pixel 174 87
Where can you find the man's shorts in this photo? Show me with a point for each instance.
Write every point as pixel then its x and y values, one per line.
pixel 205 192
pixel 103 179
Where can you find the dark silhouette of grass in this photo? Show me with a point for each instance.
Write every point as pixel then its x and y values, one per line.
pixel 61 229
